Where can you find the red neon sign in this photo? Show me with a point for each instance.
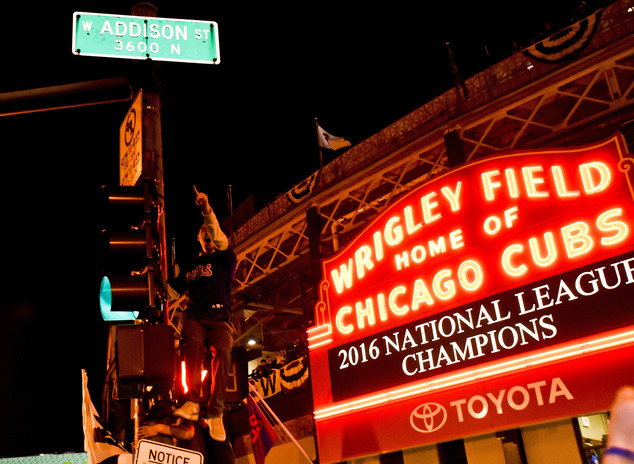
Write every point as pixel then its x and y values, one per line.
pixel 480 229
pixel 486 405
pixel 498 269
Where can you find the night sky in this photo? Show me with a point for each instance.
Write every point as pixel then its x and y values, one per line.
pixel 247 122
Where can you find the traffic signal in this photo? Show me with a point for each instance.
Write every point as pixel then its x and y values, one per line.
pixel 133 285
pixel 145 356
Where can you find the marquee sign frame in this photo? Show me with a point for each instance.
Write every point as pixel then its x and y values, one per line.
pixel 489 272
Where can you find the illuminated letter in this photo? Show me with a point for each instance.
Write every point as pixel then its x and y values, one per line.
pixel 393 234
pixel 576 239
pixel 565 290
pixel 484 405
pixel 593 284
pixel 345 278
pixel 628 269
pixel 492 225
pixel 420 295
pixel 536 387
pixel 418 254
pixel 510 398
pixel 394 307
pixel 511 183
pixel 456 239
pixel 590 185
pixel 404 364
pixel 382 310
pixel 558 388
pixel 551 252
pixel 506 261
pixel 365 313
pixel 453 196
pixel 339 322
pixel 605 225
pixel 362 258
pixel 458 404
pixel 409 221
pixel 497 400
pixel 463 272
pixel 401 259
pixel 437 248
pixel 444 287
pixel 560 183
pixel 510 215
pixel 428 205
pixel 429 359
pixel 378 246
pixel 545 325
pixel 542 296
pixel 489 185
pixel 531 182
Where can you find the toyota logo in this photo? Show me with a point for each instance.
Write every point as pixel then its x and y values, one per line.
pixel 428 417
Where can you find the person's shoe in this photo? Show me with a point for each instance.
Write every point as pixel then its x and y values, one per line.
pixel 188 411
pixel 216 428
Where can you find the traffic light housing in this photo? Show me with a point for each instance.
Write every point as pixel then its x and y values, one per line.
pixel 145 356
pixel 133 286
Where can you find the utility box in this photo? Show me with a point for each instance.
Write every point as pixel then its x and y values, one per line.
pixel 145 357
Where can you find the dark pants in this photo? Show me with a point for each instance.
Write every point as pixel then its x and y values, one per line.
pixel 199 336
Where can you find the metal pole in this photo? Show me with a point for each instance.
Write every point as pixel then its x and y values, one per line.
pixel 153 172
pixel 321 159
pixel 57 97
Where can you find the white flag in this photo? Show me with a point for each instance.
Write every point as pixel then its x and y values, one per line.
pixel 330 141
pixel 99 444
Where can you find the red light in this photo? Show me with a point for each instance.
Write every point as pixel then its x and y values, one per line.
pixel 203 375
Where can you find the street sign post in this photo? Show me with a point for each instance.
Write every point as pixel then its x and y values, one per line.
pixel 144 37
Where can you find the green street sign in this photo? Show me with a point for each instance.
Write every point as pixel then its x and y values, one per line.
pixel 142 38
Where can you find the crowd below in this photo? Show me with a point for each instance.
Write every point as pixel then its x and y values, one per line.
pixel 295 350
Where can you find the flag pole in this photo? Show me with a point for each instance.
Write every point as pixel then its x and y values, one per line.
pixel 458 82
pixel 277 419
pixel 230 208
pixel 321 159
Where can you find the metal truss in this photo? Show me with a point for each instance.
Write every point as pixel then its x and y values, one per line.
pixel 520 103
pixel 561 108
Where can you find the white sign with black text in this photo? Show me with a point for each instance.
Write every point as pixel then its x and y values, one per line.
pixel 150 452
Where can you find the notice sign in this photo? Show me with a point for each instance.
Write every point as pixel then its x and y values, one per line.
pixel 150 452
pixel 497 267
pixel 140 38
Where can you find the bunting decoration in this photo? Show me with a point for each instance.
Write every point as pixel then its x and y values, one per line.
pixel 292 375
pixel 302 190
pixel 567 43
